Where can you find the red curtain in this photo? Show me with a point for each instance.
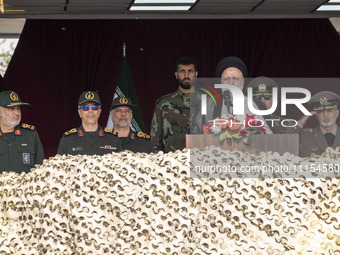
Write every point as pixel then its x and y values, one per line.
pixel 55 60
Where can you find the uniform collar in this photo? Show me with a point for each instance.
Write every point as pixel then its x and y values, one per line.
pixel 333 131
pixel 132 135
pixel 180 92
pixel 81 131
pixel 16 131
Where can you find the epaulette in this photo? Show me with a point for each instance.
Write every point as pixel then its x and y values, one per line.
pixel 143 135
pixel 307 130
pixel 107 130
pixel 72 131
pixel 26 126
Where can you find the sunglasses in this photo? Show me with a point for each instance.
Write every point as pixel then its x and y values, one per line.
pixel 87 107
pixel 265 97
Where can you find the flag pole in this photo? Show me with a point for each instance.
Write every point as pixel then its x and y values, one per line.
pixel 124 49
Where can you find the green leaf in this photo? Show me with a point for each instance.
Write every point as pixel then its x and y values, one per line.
pixel 221 137
pixel 237 136
pixel 246 140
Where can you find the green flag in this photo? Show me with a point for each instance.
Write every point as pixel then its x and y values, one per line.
pixel 125 88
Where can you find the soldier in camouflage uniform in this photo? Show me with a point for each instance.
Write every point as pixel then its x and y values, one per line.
pixel 20 146
pixel 89 138
pixel 263 97
pixel 171 117
pixel 314 141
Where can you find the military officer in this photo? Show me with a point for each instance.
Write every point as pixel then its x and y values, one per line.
pixel 121 115
pixel 20 146
pixel 327 133
pixel 263 97
pixel 171 117
pixel 89 138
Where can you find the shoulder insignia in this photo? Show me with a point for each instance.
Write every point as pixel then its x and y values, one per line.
pixel 107 130
pixel 143 135
pixel 72 131
pixel 26 126
pixel 308 130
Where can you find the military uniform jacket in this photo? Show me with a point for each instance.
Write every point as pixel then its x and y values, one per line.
pixel 313 141
pixel 170 122
pixel 277 128
pixel 78 142
pixel 136 142
pixel 20 150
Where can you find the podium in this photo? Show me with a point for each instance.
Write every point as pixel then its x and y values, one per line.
pixel 280 143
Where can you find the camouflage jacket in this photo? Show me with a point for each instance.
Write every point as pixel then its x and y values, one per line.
pixel 170 122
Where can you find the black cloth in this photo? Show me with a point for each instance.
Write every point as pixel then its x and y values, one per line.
pixel 78 142
pixel 330 139
pixel 20 150
pixel 137 142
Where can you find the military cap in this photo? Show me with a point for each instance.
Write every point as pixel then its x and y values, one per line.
pixel 324 100
pixel 231 62
pixel 122 101
pixel 9 98
pixel 262 86
pixel 89 96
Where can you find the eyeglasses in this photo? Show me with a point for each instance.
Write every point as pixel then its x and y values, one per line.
pixel 87 107
pixel 265 97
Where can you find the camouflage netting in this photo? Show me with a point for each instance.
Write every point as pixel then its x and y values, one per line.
pixel 147 204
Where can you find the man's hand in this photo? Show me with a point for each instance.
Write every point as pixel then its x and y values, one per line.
pixel 302 121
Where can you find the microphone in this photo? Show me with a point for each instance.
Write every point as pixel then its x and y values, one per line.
pixel 227 100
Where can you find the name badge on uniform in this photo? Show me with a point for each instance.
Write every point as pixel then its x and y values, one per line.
pixel 26 158
pixel 77 148
pixel 108 147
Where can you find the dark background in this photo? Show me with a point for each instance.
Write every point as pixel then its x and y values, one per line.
pixel 55 60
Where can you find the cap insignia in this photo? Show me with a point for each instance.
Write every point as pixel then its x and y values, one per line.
pixel 123 100
pixel 262 87
pixel 14 96
pixel 89 95
pixel 323 100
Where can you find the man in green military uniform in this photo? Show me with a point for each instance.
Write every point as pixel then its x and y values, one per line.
pixel 263 97
pixel 171 117
pixel 89 138
pixel 121 115
pixel 327 133
pixel 20 146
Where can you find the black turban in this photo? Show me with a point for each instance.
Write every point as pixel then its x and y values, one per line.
pixel 231 62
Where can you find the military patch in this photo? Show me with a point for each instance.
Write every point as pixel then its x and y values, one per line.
pixel 26 158
pixel 17 132
pixel 26 126
pixel 72 131
pixel 143 135
pixel 0 133
pixel 132 136
pixel 80 133
pixel 101 133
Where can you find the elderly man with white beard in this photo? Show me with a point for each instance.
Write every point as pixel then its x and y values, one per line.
pixel 327 133
pixel 20 146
